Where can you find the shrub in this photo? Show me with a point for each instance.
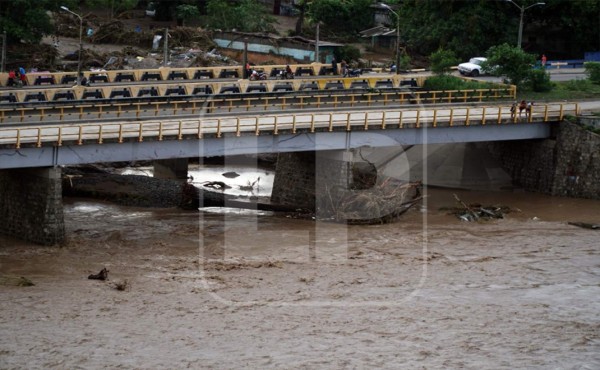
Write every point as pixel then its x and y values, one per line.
pixel 442 61
pixel 592 69
pixel 539 81
pixel 577 85
pixel 446 82
pixel 347 53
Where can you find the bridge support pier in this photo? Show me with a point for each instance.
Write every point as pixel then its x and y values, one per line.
pixel 31 206
pixel 306 179
pixel 174 168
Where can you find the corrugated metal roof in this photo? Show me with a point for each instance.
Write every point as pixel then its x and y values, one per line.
pixel 298 39
pixel 378 31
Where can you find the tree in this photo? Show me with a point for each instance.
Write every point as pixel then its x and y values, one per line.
pixel 113 6
pixel 442 60
pixel 347 17
pixel 592 70
pixel 28 20
pixel 187 12
pixel 244 16
pixel 509 61
pixel 302 7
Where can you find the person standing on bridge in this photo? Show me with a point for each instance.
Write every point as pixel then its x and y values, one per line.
pixel 513 111
pixel 83 79
pixel 12 76
pixel 333 67
pixel 22 76
pixel 528 110
pixel 522 107
pixel 544 60
pixel 344 68
pixel 248 70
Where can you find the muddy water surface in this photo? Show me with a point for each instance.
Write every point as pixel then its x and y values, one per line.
pixel 231 289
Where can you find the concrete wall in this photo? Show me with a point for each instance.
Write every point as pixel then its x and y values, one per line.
pixel 31 205
pixel 567 165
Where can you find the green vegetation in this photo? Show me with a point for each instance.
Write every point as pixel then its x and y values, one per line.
pixel 447 82
pixel 27 20
pixel 187 13
pixel 595 130
pixel 442 60
pixel 592 69
pixel 244 16
pixel 567 90
pixel 539 80
pixel 511 62
pixel 468 28
pixel 348 53
pixel 342 19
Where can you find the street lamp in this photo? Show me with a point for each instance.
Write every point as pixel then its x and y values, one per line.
pixel 80 42
pixel 522 9
pixel 397 37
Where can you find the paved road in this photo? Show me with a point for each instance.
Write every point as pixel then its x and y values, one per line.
pixel 558 75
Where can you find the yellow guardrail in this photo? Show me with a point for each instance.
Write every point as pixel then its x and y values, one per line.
pixel 246 103
pixel 196 88
pixel 189 90
pixel 203 127
pixel 171 74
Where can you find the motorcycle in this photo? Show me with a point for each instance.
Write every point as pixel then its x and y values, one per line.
pixel 353 72
pixel 285 75
pixel 258 76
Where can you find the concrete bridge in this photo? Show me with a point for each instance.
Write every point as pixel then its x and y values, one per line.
pixel 31 153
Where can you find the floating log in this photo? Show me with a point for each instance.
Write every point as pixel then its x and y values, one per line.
pixel 586 225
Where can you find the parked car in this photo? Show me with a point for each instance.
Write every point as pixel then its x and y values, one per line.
pixel 472 67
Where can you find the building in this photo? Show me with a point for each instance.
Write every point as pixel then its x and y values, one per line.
pixel 299 48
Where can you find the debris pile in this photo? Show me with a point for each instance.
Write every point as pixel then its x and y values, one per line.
pixel 476 212
pixel 188 46
pixel 382 203
pixel 102 275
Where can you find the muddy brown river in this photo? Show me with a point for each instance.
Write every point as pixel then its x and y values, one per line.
pixel 230 289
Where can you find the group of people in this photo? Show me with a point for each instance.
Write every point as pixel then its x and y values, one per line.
pixel 17 78
pixel 521 106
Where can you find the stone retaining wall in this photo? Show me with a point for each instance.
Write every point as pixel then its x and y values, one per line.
pixel 567 165
pixel 31 206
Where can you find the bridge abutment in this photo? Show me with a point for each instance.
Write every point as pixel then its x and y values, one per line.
pixel 173 168
pixel 31 206
pixel 567 165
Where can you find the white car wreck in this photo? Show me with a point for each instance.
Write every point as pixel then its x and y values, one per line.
pixel 472 67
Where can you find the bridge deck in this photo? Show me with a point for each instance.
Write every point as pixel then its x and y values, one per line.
pixel 88 141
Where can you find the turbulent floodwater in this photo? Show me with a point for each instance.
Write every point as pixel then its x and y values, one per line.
pixel 232 289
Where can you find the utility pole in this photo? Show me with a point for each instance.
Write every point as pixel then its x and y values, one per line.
pixel 166 48
pixel 3 59
pixel 522 9
pixel 397 36
pixel 317 44
pixel 80 43
pixel 245 61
